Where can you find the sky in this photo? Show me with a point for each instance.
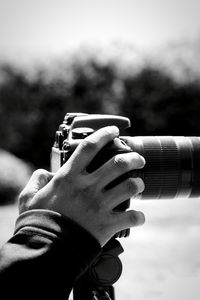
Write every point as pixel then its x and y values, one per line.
pixel 38 28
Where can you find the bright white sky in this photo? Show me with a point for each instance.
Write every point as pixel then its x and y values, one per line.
pixel 35 27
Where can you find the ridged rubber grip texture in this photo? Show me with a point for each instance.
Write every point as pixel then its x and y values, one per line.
pixel 161 173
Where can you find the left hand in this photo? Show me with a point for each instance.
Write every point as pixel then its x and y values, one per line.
pixel 38 180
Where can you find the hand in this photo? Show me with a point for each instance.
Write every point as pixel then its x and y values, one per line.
pixel 81 196
pixel 37 181
pixel 129 140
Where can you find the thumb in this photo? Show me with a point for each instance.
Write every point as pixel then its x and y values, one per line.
pixel 38 180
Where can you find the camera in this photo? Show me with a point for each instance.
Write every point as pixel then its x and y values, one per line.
pixel 172 167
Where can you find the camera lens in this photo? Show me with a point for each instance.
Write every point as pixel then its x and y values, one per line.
pixel 172 167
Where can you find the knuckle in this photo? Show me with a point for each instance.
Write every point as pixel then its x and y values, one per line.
pixel 107 130
pixel 140 184
pixel 121 162
pixel 84 184
pixel 62 179
pixel 136 155
pixel 131 186
pixel 24 200
pixel 88 145
pixel 135 185
pixel 139 159
pixel 23 196
pixel 40 173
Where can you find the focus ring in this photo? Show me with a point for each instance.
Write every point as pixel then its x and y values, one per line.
pixel 161 172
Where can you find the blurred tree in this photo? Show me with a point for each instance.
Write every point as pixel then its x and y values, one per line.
pixel 143 92
pixel 157 105
pixel 31 110
pixel 29 114
pixel 10 184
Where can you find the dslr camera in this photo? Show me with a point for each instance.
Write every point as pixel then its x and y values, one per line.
pixel 172 167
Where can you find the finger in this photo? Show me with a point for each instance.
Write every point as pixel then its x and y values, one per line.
pixel 129 140
pixel 37 181
pixel 90 146
pixel 123 191
pixel 127 219
pixel 116 166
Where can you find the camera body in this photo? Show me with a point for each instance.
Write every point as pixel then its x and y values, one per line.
pixel 77 126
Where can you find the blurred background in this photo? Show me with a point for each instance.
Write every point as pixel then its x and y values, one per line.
pixel 139 59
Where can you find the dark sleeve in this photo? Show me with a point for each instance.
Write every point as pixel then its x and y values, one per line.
pixel 45 256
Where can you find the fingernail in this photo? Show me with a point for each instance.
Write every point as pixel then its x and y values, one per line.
pixel 140 184
pixel 115 130
pixel 143 162
pixel 140 218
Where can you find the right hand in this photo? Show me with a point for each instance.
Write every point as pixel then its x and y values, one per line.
pixel 81 196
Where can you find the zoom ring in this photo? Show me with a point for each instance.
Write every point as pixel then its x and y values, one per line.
pixel 161 173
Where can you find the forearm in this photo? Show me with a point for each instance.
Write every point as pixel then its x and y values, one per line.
pixel 45 256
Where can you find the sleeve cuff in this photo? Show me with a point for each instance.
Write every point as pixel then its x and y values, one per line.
pixel 55 226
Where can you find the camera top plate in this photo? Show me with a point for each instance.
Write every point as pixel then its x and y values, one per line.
pixel 97 121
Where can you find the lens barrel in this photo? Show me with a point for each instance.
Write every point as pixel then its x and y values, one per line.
pixel 172 167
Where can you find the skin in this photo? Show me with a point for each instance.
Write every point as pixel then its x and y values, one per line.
pixel 81 196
